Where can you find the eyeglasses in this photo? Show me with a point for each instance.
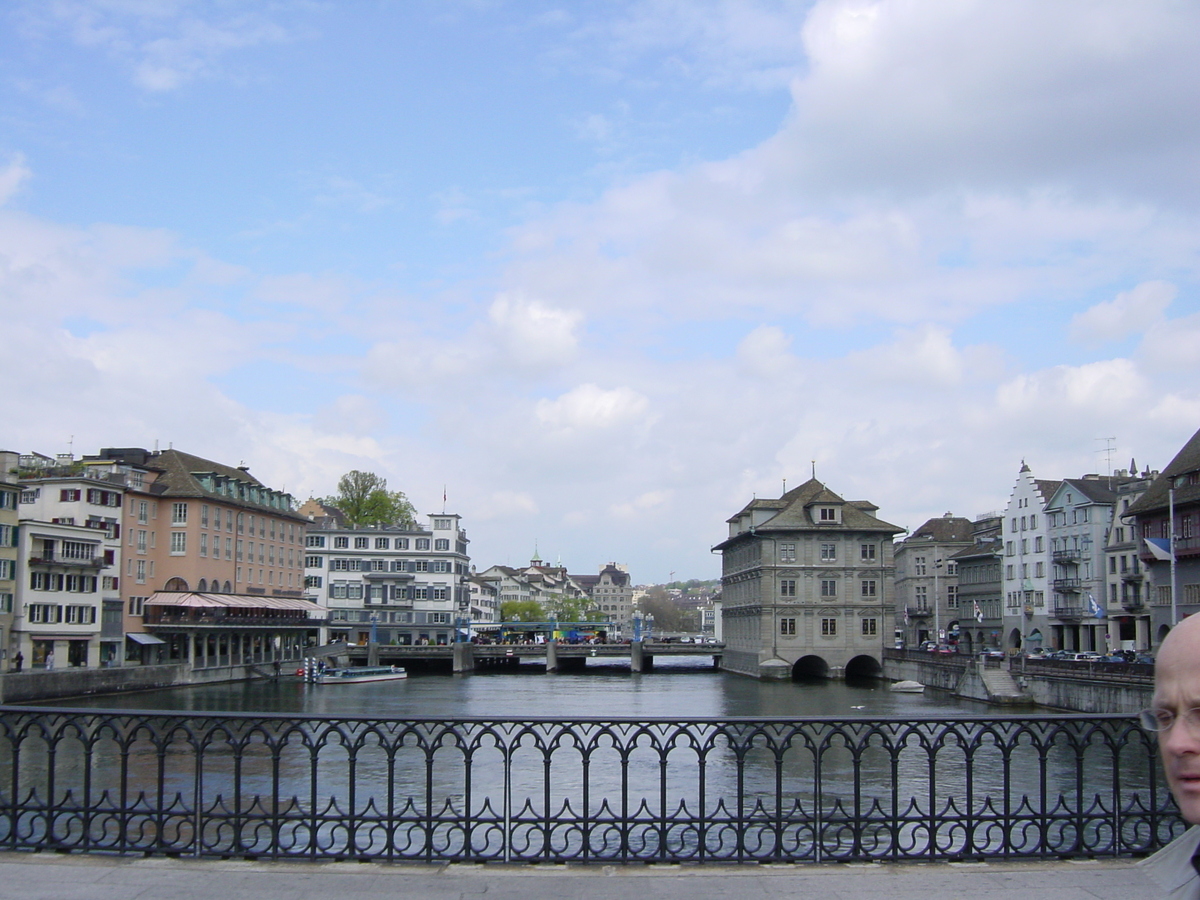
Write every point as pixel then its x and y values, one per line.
pixel 1161 720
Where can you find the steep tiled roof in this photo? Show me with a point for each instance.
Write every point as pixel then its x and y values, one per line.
pixel 947 529
pixel 178 479
pixel 1157 496
pixel 792 512
pixel 1047 487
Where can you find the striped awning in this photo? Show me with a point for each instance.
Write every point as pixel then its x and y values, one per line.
pixel 194 600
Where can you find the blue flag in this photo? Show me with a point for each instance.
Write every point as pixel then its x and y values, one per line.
pixel 1096 610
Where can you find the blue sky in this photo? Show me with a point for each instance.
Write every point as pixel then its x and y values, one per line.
pixel 605 270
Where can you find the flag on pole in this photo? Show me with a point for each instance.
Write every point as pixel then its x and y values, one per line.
pixel 978 612
pixel 1096 610
pixel 906 617
pixel 1160 548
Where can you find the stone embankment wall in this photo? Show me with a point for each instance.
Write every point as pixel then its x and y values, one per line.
pixel 26 687
pixel 1077 687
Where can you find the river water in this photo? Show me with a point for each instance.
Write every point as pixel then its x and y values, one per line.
pixel 678 688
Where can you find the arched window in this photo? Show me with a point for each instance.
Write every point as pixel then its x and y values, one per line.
pixel 228 588
pixel 203 585
pixel 175 584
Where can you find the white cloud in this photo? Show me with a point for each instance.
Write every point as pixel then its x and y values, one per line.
pixel 163 45
pixel 1062 393
pixel 532 333
pixel 1130 312
pixel 641 504
pixel 13 177
pixel 591 408
pixel 503 505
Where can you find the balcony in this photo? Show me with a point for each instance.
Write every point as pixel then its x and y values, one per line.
pixel 1067 612
pixel 918 612
pixel 1134 577
pixel 92 562
pixel 1133 604
pixel 1066 556
pixel 1068 584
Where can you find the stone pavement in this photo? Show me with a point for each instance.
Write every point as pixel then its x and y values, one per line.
pixel 47 876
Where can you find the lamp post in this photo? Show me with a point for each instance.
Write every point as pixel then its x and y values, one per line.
pixel 937 619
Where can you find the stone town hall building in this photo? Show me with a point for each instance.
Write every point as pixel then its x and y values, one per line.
pixel 807 586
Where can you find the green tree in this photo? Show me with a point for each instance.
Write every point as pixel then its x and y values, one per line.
pixel 364 499
pixel 571 609
pixel 667 615
pixel 522 611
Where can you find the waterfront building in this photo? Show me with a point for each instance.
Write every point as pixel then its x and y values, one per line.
pixel 980 586
pixel 927 582
pixel 404 585
pixel 1126 588
pixel 550 586
pixel 485 601
pixel 68 600
pixel 9 496
pixel 1079 518
pixel 1026 562
pixel 807 585
pixel 611 594
pixel 1167 518
pixel 212 561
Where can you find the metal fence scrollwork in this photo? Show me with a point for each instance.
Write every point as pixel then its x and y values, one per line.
pixel 541 790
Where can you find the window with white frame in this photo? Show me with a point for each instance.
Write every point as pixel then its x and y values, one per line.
pixel 787 552
pixel 828 587
pixel 787 626
pixel 179 513
pixel 178 543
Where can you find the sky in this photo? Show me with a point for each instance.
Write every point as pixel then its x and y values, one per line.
pixel 601 273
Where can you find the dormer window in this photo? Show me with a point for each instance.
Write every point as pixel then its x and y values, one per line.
pixel 827 514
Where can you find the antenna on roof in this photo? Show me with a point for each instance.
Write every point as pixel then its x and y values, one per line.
pixel 814 468
pixel 1107 451
pixel 785 485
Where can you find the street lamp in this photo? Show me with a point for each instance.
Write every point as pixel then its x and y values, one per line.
pixel 937 619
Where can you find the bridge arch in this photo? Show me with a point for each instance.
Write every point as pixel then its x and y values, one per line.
pixel 863 667
pixel 810 667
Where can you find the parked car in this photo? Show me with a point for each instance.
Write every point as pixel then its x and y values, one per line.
pixel 992 653
pixel 1082 656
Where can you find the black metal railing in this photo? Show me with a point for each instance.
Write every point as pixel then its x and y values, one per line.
pixel 736 790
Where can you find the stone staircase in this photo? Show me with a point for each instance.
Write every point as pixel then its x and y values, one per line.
pixel 1002 687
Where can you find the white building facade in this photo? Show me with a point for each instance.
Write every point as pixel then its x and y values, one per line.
pixel 405 586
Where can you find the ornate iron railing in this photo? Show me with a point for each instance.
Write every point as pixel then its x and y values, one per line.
pixel 542 790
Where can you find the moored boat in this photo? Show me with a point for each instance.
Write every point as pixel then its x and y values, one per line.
pixel 908 687
pixel 356 674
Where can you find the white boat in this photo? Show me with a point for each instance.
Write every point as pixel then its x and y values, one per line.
pixel 356 674
pixel 908 687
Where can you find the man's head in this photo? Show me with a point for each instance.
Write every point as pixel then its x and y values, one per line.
pixel 1177 689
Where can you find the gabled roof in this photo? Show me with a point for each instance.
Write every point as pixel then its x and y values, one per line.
pixel 1157 496
pixel 1094 490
